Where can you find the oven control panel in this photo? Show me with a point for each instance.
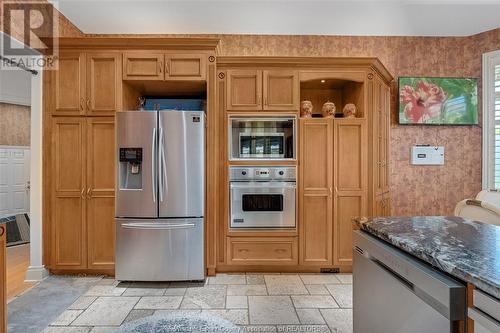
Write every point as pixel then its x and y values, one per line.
pixel 287 173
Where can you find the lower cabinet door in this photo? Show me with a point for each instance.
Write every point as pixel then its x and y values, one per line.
pixel 159 250
pixel 262 250
pixel 69 231
pixel 101 232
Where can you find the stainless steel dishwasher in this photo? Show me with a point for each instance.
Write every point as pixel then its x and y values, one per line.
pixel 394 292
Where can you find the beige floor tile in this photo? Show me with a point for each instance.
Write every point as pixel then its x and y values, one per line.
pixel 236 302
pixel 319 278
pixel 339 320
pixel 255 279
pixel 345 278
pixel 227 279
pixel 285 285
pixel 82 303
pixel 100 290
pixel 314 301
pixel 310 317
pixel 317 289
pixel 66 318
pixel 144 291
pixel 342 294
pixel 103 329
pixel 159 302
pixel 237 317
pixel 271 310
pixel 106 311
pixel 174 291
pixel 247 290
pixel 67 329
pixel 178 312
pixel 303 328
pixel 138 314
pixel 208 297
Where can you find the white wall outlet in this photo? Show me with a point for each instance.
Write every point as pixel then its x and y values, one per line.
pixel 427 155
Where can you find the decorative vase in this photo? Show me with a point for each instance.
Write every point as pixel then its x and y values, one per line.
pixel 328 110
pixel 349 110
pixel 306 109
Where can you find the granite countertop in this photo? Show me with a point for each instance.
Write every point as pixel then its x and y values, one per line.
pixel 466 249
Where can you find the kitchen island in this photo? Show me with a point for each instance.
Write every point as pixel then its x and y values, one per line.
pixel 465 251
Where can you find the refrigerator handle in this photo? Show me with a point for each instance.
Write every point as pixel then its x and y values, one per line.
pixel 163 172
pixel 153 173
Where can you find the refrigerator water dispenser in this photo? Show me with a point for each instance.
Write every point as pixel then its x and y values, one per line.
pixel 130 168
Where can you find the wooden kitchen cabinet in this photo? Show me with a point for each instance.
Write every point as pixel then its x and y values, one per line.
pixel 69 192
pixel 3 279
pixel 88 84
pixel 383 204
pixel 281 90
pixel 351 177
pixel 244 90
pixel 83 214
pixel 104 72
pixel 185 66
pixel 262 250
pixel 315 191
pixel 69 84
pixel 100 194
pixel 143 66
pixel 268 90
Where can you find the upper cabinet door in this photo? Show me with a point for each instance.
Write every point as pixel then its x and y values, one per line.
pixel 185 67
pixel 244 90
pixel 103 83
pixel 143 66
pixel 281 90
pixel 70 85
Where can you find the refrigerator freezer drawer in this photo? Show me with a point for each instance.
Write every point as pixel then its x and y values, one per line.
pixel 159 250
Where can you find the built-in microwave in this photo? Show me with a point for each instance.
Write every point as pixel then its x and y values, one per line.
pixel 261 138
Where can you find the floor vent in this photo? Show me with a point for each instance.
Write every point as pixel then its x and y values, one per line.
pixel 329 270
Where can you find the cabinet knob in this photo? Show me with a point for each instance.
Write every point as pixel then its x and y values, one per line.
pixel 2 230
pixel 161 66
pixel 89 193
pixel 81 104
pixel 82 193
pixel 88 104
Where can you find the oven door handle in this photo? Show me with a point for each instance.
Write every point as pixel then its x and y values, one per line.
pixel 263 186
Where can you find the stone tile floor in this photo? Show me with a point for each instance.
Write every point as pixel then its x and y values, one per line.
pixel 256 302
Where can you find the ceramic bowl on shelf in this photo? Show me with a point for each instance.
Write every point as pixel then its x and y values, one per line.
pixel 328 110
pixel 306 109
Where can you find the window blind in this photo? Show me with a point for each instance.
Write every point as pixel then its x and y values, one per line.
pixel 496 103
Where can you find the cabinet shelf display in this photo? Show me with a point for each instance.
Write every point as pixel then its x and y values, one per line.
pixel 438 101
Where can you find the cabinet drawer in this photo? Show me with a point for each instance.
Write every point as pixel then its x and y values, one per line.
pixel 262 250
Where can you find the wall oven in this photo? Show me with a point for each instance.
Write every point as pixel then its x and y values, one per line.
pixel 263 197
pixel 262 138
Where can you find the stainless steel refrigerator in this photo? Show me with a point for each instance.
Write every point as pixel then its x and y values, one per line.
pixel 160 195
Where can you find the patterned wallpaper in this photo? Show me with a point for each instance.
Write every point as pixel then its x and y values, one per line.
pixel 14 125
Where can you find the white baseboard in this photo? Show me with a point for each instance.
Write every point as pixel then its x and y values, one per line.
pixel 36 273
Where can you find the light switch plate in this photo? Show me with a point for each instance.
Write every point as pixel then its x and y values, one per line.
pixel 427 155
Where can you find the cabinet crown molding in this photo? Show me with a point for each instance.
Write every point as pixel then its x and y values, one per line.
pixel 306 62
pixel 136 43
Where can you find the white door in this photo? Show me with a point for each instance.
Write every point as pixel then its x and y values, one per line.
pixel 14 180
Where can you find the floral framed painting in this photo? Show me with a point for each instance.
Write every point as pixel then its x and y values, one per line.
pixel 438 101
